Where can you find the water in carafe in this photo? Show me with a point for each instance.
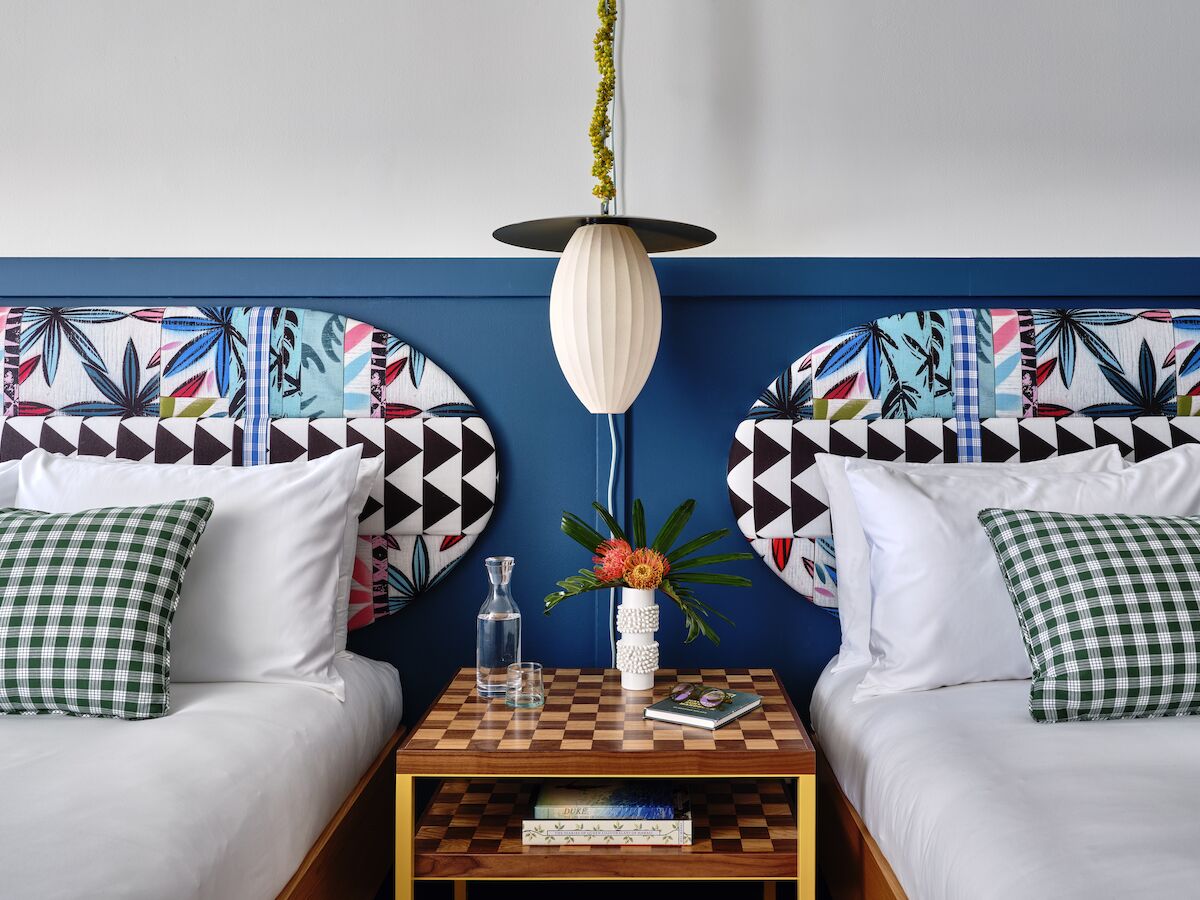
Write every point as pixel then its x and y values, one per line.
pixel 498 630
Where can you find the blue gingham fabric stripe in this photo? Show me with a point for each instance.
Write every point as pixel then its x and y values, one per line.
pixel 966 385
pixel 257 425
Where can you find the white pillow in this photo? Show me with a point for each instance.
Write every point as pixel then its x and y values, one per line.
pixel 8 482
pixel 941 613
pixel 369 472
pixel 260 599
pixel 850 544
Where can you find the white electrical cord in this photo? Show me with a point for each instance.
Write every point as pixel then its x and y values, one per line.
pixel 612 592
pixel 618 109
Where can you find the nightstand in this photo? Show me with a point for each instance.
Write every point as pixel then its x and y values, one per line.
pixel 752 783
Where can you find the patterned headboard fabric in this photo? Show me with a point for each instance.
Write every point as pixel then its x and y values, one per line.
pixel 955 385
pixel 247 386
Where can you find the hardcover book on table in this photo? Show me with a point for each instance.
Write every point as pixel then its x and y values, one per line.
pixel 706 707
pixel 599 832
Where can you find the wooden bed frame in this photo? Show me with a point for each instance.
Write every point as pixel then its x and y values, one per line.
pixel 353 855
pixel 851 862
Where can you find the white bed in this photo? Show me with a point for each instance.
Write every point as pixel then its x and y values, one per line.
pixel 220 799
pixel 970 799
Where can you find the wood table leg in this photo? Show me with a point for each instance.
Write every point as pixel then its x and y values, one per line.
pixel 405 824
pixel 806 837
pixel 768 890
pixel 460 890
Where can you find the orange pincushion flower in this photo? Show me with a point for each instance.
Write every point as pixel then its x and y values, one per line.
pixel 610 559
pixel 646 569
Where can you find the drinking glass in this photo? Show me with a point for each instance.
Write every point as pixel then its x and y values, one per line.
pixel 525 689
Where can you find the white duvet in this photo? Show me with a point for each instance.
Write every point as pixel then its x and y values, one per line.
pixel 220 799
pixel 970 799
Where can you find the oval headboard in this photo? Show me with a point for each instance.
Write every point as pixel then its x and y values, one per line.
pixel 215 385
pixel 955 385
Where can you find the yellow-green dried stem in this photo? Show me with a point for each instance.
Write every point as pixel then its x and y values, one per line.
pixel 601 127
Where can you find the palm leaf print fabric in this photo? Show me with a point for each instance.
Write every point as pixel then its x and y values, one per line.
pixel 86 361
pixel 898 368
pixel 204 361
pixel 1186 357
pixel 1043 381
pixel 1104 362
pixel 240 385
pixel 317 390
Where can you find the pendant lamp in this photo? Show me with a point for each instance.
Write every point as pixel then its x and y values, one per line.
pixel 605 308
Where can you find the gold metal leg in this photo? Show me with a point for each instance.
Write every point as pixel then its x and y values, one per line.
pixel 405 823
pixel 460 890
pixel 806 837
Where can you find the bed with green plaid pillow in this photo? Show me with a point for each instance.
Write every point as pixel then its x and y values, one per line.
pixel 86 604
pixel 1109 607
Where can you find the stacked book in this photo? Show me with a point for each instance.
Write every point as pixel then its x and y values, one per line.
pixel 704 707
pixel 635 813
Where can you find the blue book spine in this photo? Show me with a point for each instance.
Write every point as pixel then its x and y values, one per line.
pixel 585 801
pixel 604 812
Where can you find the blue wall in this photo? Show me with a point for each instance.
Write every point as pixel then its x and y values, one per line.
pixel 729 327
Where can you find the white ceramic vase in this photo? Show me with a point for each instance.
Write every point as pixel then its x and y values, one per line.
pixel 637 650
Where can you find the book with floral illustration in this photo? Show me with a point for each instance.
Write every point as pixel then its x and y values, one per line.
pixel 612 832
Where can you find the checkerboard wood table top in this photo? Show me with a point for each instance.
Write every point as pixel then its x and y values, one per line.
pixel 589 726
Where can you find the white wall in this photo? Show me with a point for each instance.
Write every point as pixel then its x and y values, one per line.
pixel 413 128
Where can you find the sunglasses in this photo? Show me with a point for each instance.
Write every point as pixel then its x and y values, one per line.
pixel 709 698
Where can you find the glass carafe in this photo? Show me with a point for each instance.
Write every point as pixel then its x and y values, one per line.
pixel 497 630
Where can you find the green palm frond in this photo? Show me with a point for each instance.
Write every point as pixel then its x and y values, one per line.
pixel 696 544
pixel 606 517
pixel 639 524
pixel 711 578
pixel 674 524
pixel 716 559
pixel 581 532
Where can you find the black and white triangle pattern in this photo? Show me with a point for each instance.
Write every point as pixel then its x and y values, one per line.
pixel 190 441
pixel 776 490
pixel 774 484
pixel 439 473
pixel 1026 440
pixel 439 476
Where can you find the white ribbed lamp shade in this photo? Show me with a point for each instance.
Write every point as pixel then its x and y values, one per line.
pixel 605 316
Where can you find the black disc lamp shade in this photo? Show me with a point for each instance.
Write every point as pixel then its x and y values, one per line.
pixel 656 235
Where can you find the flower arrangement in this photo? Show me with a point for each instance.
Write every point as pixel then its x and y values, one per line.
pixel 618 561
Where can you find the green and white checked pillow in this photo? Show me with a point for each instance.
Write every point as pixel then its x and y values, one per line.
pixel 86 603
pixel 1109 607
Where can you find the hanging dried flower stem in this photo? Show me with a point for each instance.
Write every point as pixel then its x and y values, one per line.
pixel 601 127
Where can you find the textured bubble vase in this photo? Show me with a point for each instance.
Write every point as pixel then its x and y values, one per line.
pixel 637 650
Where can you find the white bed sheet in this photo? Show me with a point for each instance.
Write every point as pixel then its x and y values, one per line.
pixel 220 799
pixel 970 799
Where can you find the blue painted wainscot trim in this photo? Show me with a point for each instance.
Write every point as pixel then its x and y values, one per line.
pixel 730 325
pixel 679 276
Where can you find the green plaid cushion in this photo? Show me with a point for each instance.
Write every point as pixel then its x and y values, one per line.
pixel 86 603
pixel 1109 607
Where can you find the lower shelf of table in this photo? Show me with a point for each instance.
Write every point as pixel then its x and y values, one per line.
pixel 742 829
